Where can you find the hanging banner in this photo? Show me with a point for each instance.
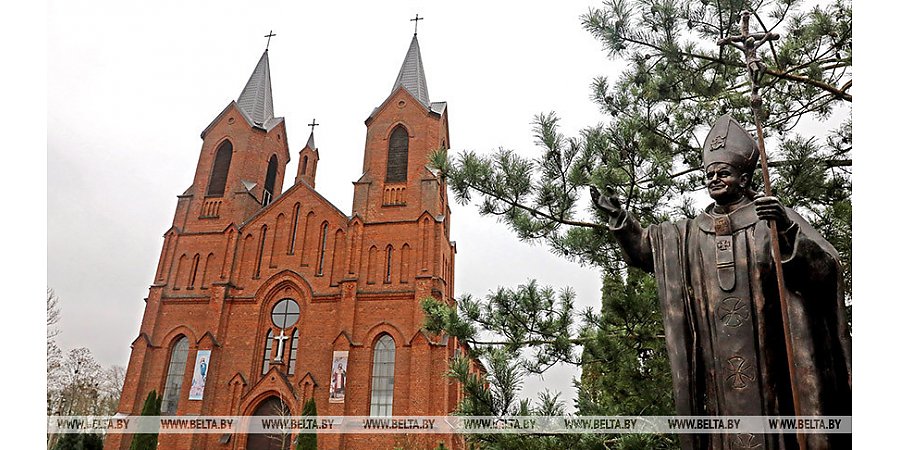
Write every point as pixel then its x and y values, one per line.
pixel 338 385
pixel 198 381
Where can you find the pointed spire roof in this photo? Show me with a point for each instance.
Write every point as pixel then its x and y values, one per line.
pixel 311 142
pixel 412 78
pixel 256 98
pixel 412 74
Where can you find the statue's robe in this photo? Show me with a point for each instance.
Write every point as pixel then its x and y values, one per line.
pixel 719 300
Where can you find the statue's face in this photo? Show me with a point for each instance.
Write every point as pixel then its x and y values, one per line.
pixel 725 183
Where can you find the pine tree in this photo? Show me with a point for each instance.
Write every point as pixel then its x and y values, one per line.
pixel 66 442
pixel 91 442
pixel 625 369
pixel 308 441
pixel 659 109
pixel 79 441
pixel 152 407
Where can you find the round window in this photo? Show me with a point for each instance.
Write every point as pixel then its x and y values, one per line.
pixel 285 313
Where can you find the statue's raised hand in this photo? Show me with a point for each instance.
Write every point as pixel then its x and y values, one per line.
pixel 608 204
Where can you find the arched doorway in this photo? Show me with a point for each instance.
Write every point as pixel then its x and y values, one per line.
pixel 272 406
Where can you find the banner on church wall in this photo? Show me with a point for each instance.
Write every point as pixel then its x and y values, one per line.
pixel 198 381
pixel 338 384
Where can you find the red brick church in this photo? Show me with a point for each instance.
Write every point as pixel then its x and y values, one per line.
pixel 278 296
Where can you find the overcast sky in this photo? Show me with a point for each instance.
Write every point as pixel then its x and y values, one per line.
pixel 131 86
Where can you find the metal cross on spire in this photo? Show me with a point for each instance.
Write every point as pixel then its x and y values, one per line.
pixel 313 125
pixel 269 38
pixel 416 20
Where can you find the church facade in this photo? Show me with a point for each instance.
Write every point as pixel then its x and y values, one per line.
pixel 264 299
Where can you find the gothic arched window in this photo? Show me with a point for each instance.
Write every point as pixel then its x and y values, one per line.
pixel 175 376
pixel 398 155
pixel 285 315
pixel 383 377
pixel 219 175
pixel 292 358
pixel 269 188
pixel 267 353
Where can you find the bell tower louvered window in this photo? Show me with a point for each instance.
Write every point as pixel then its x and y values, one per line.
pixel 271 172
pixel 219 175
pixel 398 155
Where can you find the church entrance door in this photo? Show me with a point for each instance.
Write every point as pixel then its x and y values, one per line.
pixel 272 406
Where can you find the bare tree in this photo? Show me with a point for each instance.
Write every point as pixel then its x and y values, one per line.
pixel 81 378
pixel 54 362
pixel 76 384
pixel 111 381
pixel 53 314
pixel 74 389
pixel 282 438
pixel 54 355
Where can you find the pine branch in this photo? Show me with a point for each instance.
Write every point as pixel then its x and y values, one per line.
pixel 838 93
pixel 514 203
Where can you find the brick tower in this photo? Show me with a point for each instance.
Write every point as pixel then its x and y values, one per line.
pixel 281 297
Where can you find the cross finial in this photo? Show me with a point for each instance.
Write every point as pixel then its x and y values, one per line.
pixel 313 125
pixel 269 38
pixel 748 42
pixel 416 20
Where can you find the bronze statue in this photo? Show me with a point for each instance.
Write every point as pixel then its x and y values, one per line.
pixel 719 297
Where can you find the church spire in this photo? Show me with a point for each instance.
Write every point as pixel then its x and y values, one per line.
pixel 309 159
pixel 412 74
pixel 311 142
pixel 256 98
